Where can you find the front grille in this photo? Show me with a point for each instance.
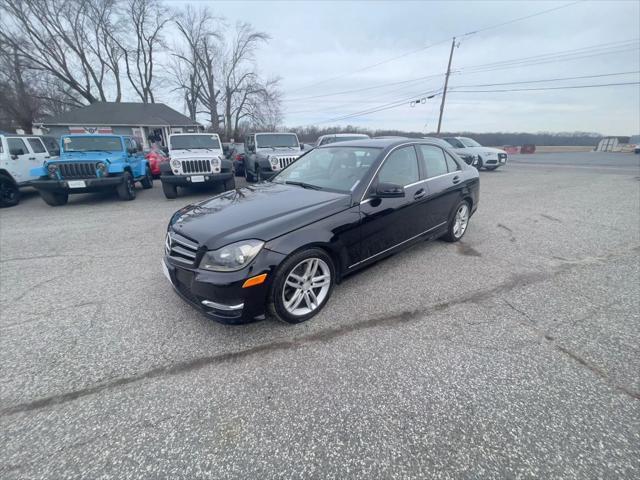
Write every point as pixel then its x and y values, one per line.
pixel 196 166
pixel 284 161
pixel 77 170
pixel 180 248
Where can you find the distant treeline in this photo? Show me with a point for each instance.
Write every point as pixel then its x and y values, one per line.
pixel 310 134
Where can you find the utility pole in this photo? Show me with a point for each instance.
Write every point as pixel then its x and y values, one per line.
pixel 446 82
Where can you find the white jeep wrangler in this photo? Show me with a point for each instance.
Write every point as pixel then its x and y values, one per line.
pixel 195 158
pixel 18 155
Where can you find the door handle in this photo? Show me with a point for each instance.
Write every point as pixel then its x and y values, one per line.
pixel 32 158
pixel 419 194
pixel 456 179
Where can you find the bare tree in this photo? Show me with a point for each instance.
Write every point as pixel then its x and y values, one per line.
pixel 239 74
pixel 147 19
pixel 258 105
pixel 199 29
pixel 71 40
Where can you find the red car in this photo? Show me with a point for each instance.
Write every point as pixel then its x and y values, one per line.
pixel 155 157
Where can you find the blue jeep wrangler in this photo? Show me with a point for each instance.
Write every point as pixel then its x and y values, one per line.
pixel 90 163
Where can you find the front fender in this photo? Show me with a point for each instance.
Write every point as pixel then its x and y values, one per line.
pixel 39 172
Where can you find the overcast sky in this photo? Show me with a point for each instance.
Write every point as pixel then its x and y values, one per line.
pixel 324 47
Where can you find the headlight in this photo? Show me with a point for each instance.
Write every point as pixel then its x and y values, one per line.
pixel 215 162
pixel 53 171
pixel 231 257
pixel 175 163
pixel 273 160
pixel 102 168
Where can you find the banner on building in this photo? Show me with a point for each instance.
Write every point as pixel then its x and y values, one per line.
pixel 91 130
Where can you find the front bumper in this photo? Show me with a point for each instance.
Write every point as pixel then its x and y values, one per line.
pixel 220 294
pixel 203 178
pixel 499 160
pixel 71 186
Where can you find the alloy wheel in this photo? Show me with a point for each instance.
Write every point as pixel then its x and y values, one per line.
pixel 306 286
pixel 461 220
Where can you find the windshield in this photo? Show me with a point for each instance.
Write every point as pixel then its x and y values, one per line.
pixel 277 140
pixel 92 144
pixel 327 140
pixel 454 142
pixel 468 142
pixel 334 168
pixel 193 142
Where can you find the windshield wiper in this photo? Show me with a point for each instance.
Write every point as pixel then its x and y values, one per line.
pixel 303 185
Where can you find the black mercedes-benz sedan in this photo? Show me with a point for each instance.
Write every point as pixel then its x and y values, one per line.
pixel 281 246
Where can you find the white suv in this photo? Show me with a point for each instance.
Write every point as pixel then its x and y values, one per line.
pixel 18 155
pixel 195 158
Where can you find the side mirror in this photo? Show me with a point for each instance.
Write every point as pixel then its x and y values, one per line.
pixel 302 146
pixel 165 150
pixel 139 148
pixel 251 148
pixel 132 150
pixel 389 190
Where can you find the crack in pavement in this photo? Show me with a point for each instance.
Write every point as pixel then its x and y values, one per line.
pixel 324 336
pixel 551 341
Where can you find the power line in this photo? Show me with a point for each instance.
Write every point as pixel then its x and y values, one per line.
pixel 357 90
pixel 398 104
pixel 368 67
pixel 584 52
pixel 547 80
pixel 567 87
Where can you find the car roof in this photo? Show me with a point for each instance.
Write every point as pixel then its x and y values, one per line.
pixel 376 142
pixel 361 135
pixel 193 133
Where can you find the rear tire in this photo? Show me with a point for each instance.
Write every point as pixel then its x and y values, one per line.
pixel 55 199
pixel 458 222
pixel 282 295
pixel 248 175
pixel 170 191
pixel 9 192
pixel 147 181
pixel 126 190
pixel 230 184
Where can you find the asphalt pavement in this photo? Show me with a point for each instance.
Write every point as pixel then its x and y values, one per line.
pixel 514 353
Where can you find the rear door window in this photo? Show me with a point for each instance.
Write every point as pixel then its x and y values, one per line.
pixel 434 161
pixel 452 165
pixel 37 145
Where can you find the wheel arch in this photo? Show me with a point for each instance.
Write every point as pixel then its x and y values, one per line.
pixel 5 173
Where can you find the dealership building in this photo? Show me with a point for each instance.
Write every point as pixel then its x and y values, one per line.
pixel 147 122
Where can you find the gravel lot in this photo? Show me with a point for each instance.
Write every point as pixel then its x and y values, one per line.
pixel 514 353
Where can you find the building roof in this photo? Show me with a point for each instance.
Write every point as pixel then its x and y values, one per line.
pixel 122 114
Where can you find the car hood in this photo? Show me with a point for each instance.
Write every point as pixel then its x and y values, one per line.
pixel 89 157
pixel 196 153
pixel 264 212
pixel 479 150
pixel 295 152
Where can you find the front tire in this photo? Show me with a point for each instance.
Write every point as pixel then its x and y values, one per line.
pixel 55 199
pixel 230 184
pixel 147 181
pixel 9 192
pixel 302 286
pixel 170 190
pixel 126 190
pixel 458 222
